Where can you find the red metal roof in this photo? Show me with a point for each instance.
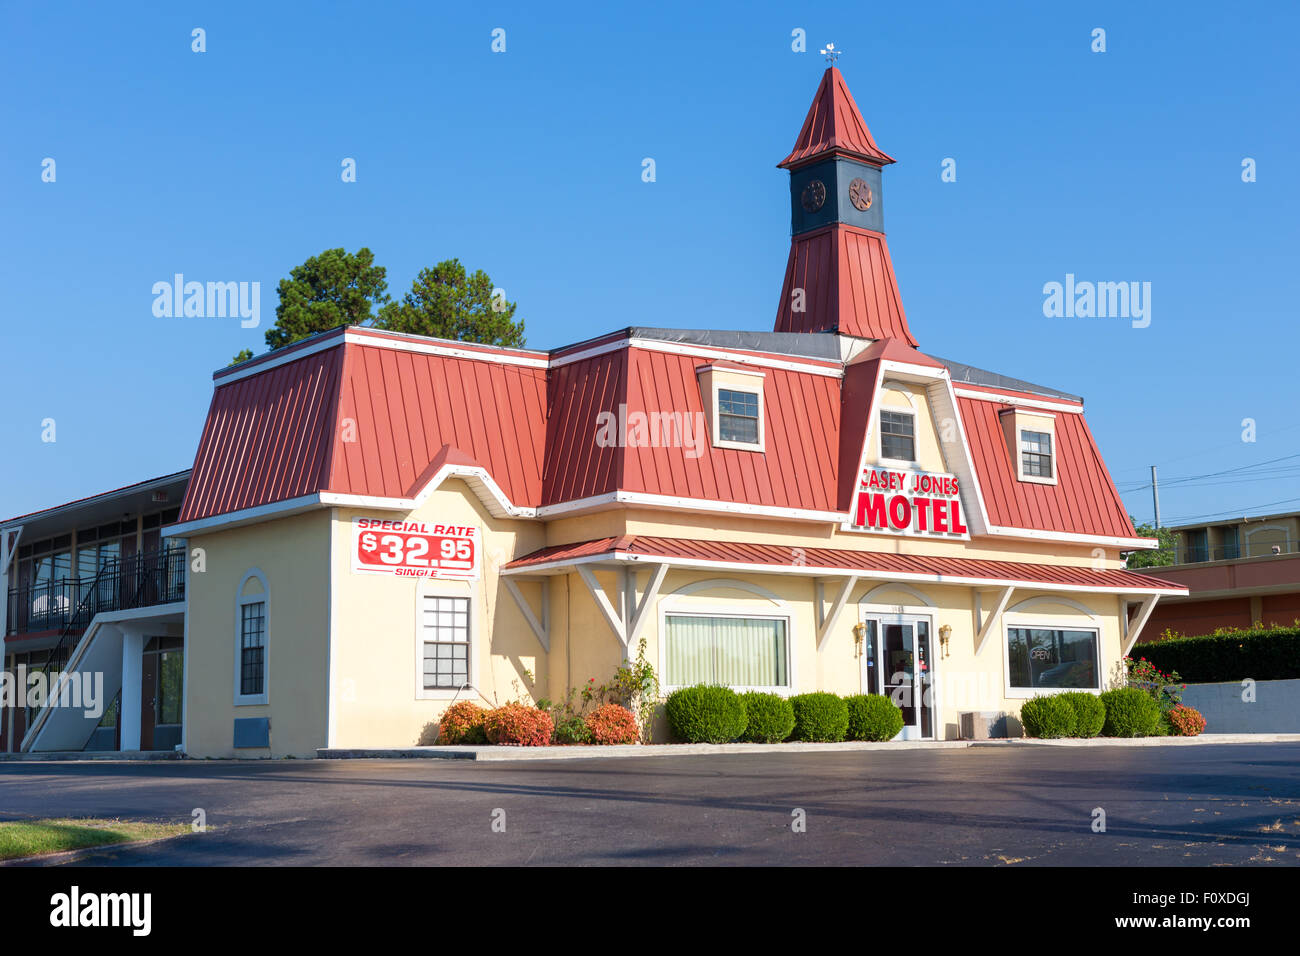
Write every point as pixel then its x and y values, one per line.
pixel 267 437
pixel 409 405
pixel 833 123
pixel 812 560
pixel 801 438
pixel 848 285
pixel 1084 499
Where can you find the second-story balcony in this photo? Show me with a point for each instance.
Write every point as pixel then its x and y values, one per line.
pixel 142 580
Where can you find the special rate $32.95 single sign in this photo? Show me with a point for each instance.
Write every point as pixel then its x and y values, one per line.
pixel 415 549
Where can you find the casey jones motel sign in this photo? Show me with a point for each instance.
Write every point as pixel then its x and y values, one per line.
pixel 414 549
pixel 915 503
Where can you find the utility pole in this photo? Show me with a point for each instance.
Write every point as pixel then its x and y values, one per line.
pixel 1155 495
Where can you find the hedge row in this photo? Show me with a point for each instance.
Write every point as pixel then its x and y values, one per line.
pixel 520 725
pixel 1259 653
pixel 711 714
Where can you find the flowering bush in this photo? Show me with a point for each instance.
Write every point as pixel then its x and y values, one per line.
pixel 462 724
pixel 518 725
pixel 613 724
pixel 1186 721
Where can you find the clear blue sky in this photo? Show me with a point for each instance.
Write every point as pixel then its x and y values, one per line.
pixel 225 165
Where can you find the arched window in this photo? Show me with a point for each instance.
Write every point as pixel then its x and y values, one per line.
pixel 252 604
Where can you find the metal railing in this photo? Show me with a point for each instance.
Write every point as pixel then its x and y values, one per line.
pixel 1196 554
pixel 142 580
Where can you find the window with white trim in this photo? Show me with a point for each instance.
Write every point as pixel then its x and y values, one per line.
pixel 445 637
pixel 1036 454
pixel 738 416
pixel 1051 658
pixel 252 649
pixel 898 436
pixel 731 651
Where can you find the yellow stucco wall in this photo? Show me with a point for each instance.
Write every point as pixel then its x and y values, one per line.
pixel 293 555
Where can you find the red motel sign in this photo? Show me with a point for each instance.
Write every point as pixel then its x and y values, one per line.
pixel 916 503
pixel 414 549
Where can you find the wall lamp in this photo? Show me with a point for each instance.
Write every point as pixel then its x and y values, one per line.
pixel 945 632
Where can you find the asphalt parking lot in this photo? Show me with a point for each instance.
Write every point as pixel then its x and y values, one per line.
pixel 999 806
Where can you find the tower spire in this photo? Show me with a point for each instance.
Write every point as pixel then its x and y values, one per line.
pixel 839 277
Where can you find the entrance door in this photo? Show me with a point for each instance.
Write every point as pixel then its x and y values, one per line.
pixel 896 663
pixel 161 679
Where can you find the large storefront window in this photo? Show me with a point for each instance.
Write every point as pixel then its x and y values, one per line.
pixel 734 651
pixel 1052 658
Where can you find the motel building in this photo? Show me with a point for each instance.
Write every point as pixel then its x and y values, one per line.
pixel 377 525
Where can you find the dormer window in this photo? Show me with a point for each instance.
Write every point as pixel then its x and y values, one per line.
pixel 1031 443
pixel 738 416
pixel 898 436
pixel 1036 454
pixel 734 396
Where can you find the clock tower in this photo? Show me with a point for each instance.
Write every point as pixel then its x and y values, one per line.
pixel 839 277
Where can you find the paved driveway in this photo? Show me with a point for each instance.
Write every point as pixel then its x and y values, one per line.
pixel 977 806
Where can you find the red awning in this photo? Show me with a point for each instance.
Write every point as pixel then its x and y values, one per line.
pixel 784 559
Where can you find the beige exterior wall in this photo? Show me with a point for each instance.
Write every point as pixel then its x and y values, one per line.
pixel 293 555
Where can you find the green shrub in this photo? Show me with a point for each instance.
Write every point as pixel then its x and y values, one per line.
pixel 706 714
pixel 771 718
pixel 1130 712
pixel 1229 655
pixel 1089 712
pixel 571 730
pixel 1048 717
pixel 819 717
pixel 873 717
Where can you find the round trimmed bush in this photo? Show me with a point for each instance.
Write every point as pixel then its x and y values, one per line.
pixel 820 717
pixel 873 717
pixel 462 723
pixel 1089 712
pixel 518 725
pixel 1048 717
pixel 1130 713
pixel 771 718
pixel 613 724
pixel 706 714
pixel 1185 721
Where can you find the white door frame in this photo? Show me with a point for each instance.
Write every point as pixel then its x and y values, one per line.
pixel 900 614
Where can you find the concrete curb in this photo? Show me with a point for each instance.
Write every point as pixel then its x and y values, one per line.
pixel 494 754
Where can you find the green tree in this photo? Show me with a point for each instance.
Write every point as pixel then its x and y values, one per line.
pixel 446 302
pixel 243 355
pixel 334 288
pixel 1161 557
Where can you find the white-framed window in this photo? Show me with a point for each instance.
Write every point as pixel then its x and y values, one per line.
pixel 738 416
pixel 1031 441
pixel 749 652
pixel 1052 658
pixel 1036 454
pixel 444 642
pixel 734 399
pixel 897 435
pixel 252 644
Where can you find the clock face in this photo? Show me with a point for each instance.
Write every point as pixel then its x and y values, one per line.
pixel 860 194
pixel 814 195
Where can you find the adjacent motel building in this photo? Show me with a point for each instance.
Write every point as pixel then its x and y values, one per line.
pixel 376 525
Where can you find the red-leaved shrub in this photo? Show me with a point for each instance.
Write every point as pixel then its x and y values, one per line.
pixel 612 724
pixel 462 724
pixel 518 725
pixel 1186 721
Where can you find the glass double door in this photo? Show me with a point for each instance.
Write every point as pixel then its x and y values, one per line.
pixel 896 662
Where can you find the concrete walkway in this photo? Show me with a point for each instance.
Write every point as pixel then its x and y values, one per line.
pixel 494 753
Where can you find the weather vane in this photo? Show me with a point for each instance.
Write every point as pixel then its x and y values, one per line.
pixel 831 53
